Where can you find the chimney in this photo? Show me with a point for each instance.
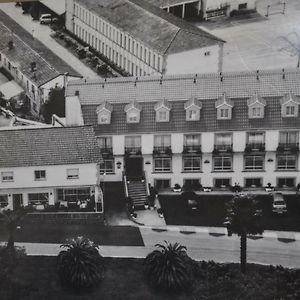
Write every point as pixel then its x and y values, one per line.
pixel 33 66
pixel 76 93
pixel 10 44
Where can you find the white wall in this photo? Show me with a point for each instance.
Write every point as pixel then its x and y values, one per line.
pixel 194 61
pixel 215 4
pixel 73 111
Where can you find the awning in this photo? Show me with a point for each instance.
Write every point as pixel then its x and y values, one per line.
pixel 58 6
pixel 10 90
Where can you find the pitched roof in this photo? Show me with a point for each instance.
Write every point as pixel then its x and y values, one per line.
pixel 105 105
pixel 151 25
pixel 178 89
pixel 224 100
pixel 48 146
pixel 163 103
pixel 26 50
pixel 256 99
pixel 165 3
pixel 290 97
pixel 193 101
pixel 133 104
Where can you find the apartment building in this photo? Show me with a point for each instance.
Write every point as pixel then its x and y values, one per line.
pixel 205 9
pixel 52 167
pixel 142 39
pixel 211 129
pixel 31 64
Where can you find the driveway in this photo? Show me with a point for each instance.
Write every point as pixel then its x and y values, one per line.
pixel 42 33
pixel 260 43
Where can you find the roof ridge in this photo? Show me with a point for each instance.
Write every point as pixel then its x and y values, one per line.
pixel 172 40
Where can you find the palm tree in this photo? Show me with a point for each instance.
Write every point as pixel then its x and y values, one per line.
pixel 243 217
pixel 11 219
pixel 168 267
pixel 80 265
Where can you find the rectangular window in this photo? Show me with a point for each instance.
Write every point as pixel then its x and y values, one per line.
pixel 73 195
pixel 207 53
pixel 7 176
pixel 163 164
pixel 290 110
pixel 288 137
pixel 253 182
pixel 254 162
pixel 162 140
pixel 72 173
pixel 222 182
pixel 107 166
pixel 158 64
pixel 286 182
pixel 222 163
pixel 224 112
pixel 192 184
pixel 256 111
pixel 38 198
pixel 162 116
pixel 105 143
pixel 223 141
pixel 191 164
pixel 192 142
pixel 40 175
pixel 286 162
pixel 145 54
pixel 162 184
pixel 3 201
pixel 256 138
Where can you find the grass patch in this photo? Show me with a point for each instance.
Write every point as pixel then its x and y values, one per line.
pixel 124 279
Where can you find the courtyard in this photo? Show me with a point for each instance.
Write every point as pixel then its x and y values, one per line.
pixel 260 42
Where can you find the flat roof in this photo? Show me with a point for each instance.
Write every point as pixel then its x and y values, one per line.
pixel 58 6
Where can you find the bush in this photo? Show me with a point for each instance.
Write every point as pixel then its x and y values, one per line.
pixel 168 267
pixel 80 265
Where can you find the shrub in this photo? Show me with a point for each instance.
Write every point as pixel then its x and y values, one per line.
pixel 168 267
pixel 80 265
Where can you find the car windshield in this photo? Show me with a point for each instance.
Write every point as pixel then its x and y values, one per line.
pixel 279 202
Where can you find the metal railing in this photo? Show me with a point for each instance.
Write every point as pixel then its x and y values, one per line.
pixel 192 149
pixel 125 185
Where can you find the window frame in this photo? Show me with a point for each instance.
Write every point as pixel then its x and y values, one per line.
pixel 70 176
pixel 40 177
pixel 11 176
pixel 163 168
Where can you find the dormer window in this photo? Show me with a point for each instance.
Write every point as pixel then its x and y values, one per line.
pixel 224 108
pixel 256 107
pixel 162 109
pixel 104 113
pixel 133 111
pixel 192 108
pixel 290 105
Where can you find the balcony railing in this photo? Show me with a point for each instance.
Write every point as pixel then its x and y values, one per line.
pixel 194 149
pixel 255 147
pixel 162 150
pixel 222 148
pixel 288 147
pixel 133 150
pixel 106 151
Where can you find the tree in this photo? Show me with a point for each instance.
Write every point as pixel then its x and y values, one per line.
pixel 55 104
pixel 11 219
pixel 243 217
pixel 168 267
pixel 80 265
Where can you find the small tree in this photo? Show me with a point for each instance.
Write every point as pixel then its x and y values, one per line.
pixel 55 104
pixel 10 220
pixel 243 217
pixel 80 265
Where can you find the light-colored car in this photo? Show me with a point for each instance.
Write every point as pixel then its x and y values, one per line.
pixel 278 205
pixel 47 19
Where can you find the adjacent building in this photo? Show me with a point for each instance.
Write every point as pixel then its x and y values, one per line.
pixel 142 39
pixel 211 129
pixel 206 9
pixel 31 64
pixel 53 167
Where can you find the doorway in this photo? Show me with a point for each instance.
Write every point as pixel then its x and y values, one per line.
pixel 17 201
pixel 134 168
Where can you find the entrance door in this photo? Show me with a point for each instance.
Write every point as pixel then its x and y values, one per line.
pixel 134 167
pixel 17 201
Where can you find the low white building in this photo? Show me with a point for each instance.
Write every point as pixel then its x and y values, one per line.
pixel 31 64
pixel 142 39
pixel 50 167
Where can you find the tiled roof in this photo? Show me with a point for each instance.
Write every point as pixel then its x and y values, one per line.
pixel 48 146
pixel 133 104
pixel 271 85
pixel 256 99
pixel 224 100
pixel 151 25
pixel 193 101
pixel 290 97
pixel 26 50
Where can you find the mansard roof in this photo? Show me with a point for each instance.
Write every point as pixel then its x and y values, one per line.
pixel 290 97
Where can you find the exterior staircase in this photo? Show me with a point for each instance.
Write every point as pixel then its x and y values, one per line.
pixel 137 190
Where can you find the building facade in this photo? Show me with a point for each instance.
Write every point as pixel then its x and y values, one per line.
pixel 213 130
pixel 49 167
pixel 142 39
pixel 36 69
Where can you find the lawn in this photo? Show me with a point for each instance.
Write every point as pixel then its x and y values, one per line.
pixel 36 278
pixel 58 233
pixel 212 211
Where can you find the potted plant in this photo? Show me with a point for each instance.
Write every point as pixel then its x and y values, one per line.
pixel 177 188
pixel 269 187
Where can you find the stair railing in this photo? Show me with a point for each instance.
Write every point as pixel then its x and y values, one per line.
pixel 146 182
pixel 125 185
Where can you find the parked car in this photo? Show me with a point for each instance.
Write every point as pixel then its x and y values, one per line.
pixel 279 204
pixel 47 19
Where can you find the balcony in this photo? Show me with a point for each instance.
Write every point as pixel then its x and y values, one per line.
pixel 288 147
pixel 162 150
pixel 133 150
pixel 255 147
pixel 219 149
pixel 194 149
pixel 107 151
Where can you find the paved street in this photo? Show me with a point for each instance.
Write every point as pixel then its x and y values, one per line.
pixel 261 45
pixel 42 33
